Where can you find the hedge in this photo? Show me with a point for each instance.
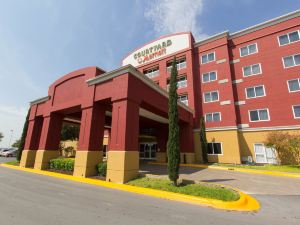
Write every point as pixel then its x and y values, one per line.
pixel 65 164
pixel 102 168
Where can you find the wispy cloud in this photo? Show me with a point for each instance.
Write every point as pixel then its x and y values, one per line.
pixel 171 16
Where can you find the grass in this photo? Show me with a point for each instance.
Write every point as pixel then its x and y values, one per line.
pixel 201 190
pixel 13 163
pixel 279 168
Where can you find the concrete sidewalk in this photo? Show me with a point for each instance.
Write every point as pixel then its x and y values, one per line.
pixel 249 183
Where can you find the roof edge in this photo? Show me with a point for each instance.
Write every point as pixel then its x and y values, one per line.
pixel 39 100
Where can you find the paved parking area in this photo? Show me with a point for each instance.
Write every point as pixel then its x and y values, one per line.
pixel 4 159
pixel 249 183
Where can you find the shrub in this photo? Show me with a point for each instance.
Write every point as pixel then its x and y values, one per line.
pixel 287 146
pixel 102 168
pixel 64 164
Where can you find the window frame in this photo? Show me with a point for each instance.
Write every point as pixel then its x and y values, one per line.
pixel 187 98
pixel 212 113
pixel 252 74
pixel 258 115
pixel 211 92
pixel 248 49
pixel 293 60
pixel 221 143
pixel 289 85
pixel 278 38
pixel 294 111
pixel 215 71
pixel 169 68
pixel 207 56
pixel 151 69
pixel 255 92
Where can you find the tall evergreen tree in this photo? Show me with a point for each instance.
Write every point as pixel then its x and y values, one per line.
pixel 23 137
pixel 173 139
pixel 203 140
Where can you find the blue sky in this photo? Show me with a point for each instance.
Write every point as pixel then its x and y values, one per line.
pixel 41 40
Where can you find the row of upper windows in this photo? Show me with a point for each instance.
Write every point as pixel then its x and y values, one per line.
pixel 253 92
pixel 252 48
pixel 255 115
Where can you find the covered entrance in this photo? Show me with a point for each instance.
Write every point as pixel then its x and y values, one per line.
pixel 148 150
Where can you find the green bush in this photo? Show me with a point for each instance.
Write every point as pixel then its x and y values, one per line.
pixel 65 164
pixel 102 168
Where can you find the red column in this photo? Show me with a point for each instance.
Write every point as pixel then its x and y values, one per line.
pixel 51 132
pixel 92 128
pixel 187 153
pixel 33 133
pixel 125 126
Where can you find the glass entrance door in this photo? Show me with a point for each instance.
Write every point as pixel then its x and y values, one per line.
pixel 148 150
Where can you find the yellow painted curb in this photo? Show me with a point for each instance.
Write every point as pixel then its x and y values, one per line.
pixel 245 203
pixel 242 170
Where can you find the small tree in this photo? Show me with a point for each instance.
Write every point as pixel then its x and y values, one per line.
pixel 23 137
pixel 173 139
pixel 203 140
pixel 17 143
pixel 287 146
pixel 1 136
pixel 69 132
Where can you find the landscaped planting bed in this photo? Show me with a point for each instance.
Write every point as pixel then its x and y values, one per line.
pixel 204 190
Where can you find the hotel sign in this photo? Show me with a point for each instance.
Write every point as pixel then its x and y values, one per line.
pixel 165 46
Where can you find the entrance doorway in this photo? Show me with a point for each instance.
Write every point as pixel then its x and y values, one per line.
pixel 148 150
pixel 264 154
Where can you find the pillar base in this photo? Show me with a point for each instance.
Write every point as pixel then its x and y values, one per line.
pixel 43 158
pixel 28 158
pixel 122 166
pixel 161 157
pixel 86 162
pixel 187 157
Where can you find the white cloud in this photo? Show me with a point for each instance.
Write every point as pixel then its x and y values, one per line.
pixel 171 16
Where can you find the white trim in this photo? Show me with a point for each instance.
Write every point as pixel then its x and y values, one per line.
pixel 294 112
pixel 289 85
pixel 216 143
pixel 252 74
pixel 243 125
pixel 221 128
pixel 210 93
pixel 255 92
pixel 132 70
pixel 237 81
pixel 39 100
pixel 258 115
pixel 227 102
pixel 234 61
pixel 291 127
pixel 212 38
pixel 207 57
pixel 209 76
pixel 288 38
pixel 248 49
pixel 240 103
pixel 220 61
pixel 223 81
pixel 213 117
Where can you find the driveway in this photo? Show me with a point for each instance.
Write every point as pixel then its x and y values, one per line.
pixel 249 183
pixel 35 199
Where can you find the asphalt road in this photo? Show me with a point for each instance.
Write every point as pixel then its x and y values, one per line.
pixel 30 199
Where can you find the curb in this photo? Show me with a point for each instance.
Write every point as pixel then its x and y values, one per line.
pixel 245 203
pixel 242 170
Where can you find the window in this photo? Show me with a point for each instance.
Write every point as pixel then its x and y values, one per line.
pixel 289 38
pixel 255 92
pixel 259 115
pixel 213 117
pixel 248 50
pixel 252 70
pixel 208 58
pixel 294 85
pixel 181 82
pixel 183 99
pixel 181 64
pixel 208 77
pixel 214 148
pixel 292 60
pixel 154 72
pixel 264 154
pixel 296 111
pixel 211 96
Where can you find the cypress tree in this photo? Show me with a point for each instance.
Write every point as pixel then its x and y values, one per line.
pixel 173 139
pixel 203 140
pixel 23 137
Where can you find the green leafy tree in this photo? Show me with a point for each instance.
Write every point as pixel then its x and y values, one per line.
pixel 173 139
pixel 17 143
pixel 70 132
pixel 203 140
pixel 23 137
pixel 1 136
